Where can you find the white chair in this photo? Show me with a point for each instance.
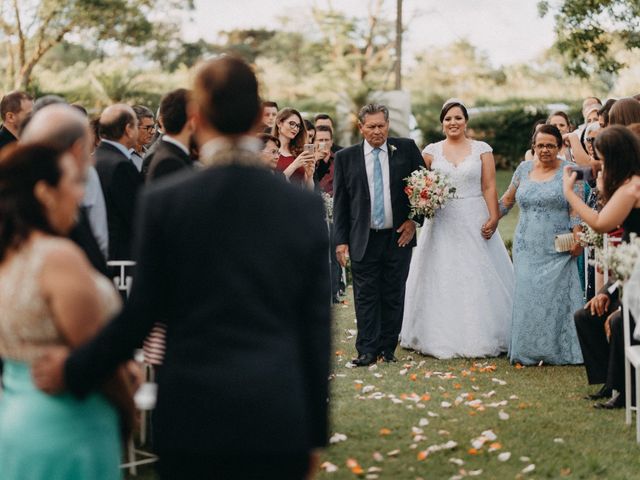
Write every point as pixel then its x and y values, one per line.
pixel 632 358
pixel 123 282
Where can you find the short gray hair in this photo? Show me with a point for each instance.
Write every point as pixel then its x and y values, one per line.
pixel 372 109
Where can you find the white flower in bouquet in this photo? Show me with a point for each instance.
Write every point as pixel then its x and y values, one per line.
pixel 590 238
pixel 428 190
pixel 621 260
pixel 328 207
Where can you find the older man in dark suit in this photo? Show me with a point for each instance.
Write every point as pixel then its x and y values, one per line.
pixel 371 221
pixel 119 177
pixel 172 151
pixel 243 391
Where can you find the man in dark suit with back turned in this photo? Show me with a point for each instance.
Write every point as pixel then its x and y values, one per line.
pixel 119 177
pixel 243 391
pixel 371 221
pixel 15 107
pixel 172 151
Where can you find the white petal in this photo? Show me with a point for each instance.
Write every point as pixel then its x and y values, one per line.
pixel 445 405
pixel 329 467
pixel 504 456
pixel 502 415
pixel 529 468
pixel 489 435
pixel 456 461
pixel 423 422
pixel 558 440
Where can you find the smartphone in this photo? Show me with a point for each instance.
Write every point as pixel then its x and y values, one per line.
pixel 583 173
pixel 322 146
pixel 309 147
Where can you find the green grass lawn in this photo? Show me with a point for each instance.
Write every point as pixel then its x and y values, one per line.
pixel 549 424
pixel 507 225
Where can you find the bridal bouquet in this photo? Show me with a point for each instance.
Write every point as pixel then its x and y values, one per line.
pixel 428 190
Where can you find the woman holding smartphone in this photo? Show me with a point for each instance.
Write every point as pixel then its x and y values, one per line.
pixel 295 162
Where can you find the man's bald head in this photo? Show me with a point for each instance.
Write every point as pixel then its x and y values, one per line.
pixel 62 127
pixel 118 123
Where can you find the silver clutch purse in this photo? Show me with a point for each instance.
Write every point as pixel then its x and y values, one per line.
pixel 564 242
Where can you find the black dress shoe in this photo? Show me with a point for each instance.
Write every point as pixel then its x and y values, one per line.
pixel 615 402
pixel 335 300
pixel 364 360
pixel 388 357
pixel 604 392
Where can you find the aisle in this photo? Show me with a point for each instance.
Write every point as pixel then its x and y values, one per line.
pixel 427 419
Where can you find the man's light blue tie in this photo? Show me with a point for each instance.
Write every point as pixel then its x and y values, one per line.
pixel 378 191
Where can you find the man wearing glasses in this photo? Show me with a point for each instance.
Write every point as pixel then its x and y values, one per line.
pixel 146 129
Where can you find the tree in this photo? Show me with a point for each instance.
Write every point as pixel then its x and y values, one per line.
pixel 31 28
pixel 588 30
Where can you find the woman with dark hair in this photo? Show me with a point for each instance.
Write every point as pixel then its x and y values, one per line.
pixel 548 287
pixel 50 296
pixel 625 112
pixel 296 164
pixel 619 150
pixel 603 113
pixel 448 313
pixel 311 131
pixel 561 121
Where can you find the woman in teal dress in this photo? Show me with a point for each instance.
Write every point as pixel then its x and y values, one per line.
pixel 49 296
pixel 547 289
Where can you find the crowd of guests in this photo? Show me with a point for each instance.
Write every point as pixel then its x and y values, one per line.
pixel 127 171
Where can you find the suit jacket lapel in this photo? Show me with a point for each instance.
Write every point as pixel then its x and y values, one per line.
pixel 362 166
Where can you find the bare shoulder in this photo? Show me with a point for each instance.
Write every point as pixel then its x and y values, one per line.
pixel 63 256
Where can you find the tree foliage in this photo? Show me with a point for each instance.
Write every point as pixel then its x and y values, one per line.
pixel 588 30
pixel 31 28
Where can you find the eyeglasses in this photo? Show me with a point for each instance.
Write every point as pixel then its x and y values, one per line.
pixel 543 146
pixel 148 128
pixel 273 152
pixel 293 125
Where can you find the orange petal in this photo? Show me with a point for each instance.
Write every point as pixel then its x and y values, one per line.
pixel 352 463
pixel 495 446
pixel 413 377
pixel 426 397
pixel 472 451
pixel 422 455
pixel 385 431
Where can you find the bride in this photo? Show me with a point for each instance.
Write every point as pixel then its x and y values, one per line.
pixel 459 292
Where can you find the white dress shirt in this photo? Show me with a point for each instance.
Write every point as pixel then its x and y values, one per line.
pixel 384 163
pixel 94 204
pixel 177 143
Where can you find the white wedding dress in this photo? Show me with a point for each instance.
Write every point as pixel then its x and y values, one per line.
pixel 459 293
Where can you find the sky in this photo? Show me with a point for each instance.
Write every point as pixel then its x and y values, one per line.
pixel 508 31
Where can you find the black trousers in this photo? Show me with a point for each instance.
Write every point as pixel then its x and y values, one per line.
pixel 615 374
pixel 182 465
pixel 594 343
pixel 379 286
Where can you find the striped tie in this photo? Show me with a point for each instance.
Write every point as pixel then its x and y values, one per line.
pixel 378 191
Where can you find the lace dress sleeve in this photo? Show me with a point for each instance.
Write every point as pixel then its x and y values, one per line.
pixel 508 199
pixel 482 147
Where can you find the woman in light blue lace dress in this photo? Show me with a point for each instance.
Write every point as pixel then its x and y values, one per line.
pixel 547 290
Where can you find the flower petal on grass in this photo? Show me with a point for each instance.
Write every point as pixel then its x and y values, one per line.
pixel 558 440
pixel 498 381
pixel 378 457
pixel 445 404
pixel 529 468
pixel 456 461
pixel 393 453
pixel 474 473
pixel 502 415
pixel 384 432
pixel 423 422
pixel 504 456
pixel 337 438
pixel 329 467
